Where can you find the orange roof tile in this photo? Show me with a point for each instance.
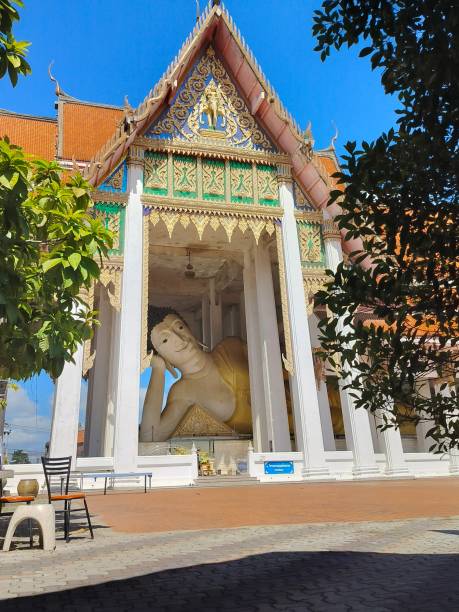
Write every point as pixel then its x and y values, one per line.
pixel 36 135
pixel 330 166
pixel 85 128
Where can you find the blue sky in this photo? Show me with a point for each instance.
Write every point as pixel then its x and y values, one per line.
pixel 105 49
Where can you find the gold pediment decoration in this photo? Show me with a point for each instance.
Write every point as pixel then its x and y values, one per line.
pixel 198 422
pixel 208 107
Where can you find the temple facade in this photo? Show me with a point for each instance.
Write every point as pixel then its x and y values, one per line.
pixel 217 201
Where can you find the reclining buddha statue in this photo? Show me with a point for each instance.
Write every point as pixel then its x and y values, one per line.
pixel 217 381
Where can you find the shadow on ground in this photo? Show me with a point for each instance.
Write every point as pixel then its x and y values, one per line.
pixel 288 581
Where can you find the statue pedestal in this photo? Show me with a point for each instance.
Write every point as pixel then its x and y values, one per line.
pixel 147 449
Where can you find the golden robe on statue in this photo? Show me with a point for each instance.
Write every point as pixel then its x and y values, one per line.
pixel 230 357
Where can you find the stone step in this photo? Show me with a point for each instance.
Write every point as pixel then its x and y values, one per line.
pixel 225 481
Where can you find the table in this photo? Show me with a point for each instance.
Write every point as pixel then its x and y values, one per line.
pixel 113 475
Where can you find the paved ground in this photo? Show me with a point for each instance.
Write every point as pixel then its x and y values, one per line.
pixel 403 565
pixel 191 508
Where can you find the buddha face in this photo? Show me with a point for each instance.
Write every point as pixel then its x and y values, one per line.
pixel 175 343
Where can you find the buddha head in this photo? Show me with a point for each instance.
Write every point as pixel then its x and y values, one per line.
pixel 172 340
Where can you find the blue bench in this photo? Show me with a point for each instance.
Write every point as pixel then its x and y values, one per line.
pixel 113 475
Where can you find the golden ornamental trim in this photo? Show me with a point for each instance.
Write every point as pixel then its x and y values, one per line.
pixel 135 156
pixel 108 196
pixel 201 219
pixel 288 357
pixel 88 357
pixel 309 216
pixel 214 150
pixel 284 173
pixel 144 355
pixel 111 278
pixel 314 281
pixel 330 230
pixel 206 207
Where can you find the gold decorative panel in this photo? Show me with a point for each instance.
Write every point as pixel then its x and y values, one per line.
pixel 213 179
pixel 185 176
pixel 208 107
pixel 198 422
pixel 155 173
pixel 310 243
pixel 241 178
pixel 268 191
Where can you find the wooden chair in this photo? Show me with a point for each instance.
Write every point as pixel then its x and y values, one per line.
pixel 60 466
pixel 15 499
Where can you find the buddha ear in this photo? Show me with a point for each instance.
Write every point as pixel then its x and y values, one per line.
pixel 170 368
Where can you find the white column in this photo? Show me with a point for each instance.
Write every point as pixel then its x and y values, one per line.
pixel 391 442
pixel 356 422
pixel 242 317
pixel 206 321
pixel 216 319
pixel 235 320
pixel 95 429
pixel 303 384
pixel 257 400
pixel 125 448
pixel 324 404
pixel 66 408
pixel 453 452
pixel 273 379
pixel 424 442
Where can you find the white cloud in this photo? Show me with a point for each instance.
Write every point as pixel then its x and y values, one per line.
pixel 29 430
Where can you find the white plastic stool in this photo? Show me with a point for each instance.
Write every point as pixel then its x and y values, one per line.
pixel 46 518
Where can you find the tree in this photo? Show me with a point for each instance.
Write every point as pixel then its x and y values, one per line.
pixel 400 196
pixel 48 246
pixel 12 52
pixel 20 456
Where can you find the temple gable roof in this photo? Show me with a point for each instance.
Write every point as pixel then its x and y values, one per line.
pixel 216 28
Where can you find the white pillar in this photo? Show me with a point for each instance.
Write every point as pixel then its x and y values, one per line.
pixel 391 442
pixel 97 410
pixel 453 452
pixel 303 384
pixel 216 318
pixel 324 404
pixel 273 379
pixel 125 448
pixel 356 422
pixel 66 408
pixel 206 321
pixel 235 320
pixel 424 442
pixel 242 317
pixel 257 400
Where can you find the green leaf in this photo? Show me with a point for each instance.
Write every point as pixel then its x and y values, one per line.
pixel 50 263
pixel 74 260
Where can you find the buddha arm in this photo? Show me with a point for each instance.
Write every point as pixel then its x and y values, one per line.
pixel 153 402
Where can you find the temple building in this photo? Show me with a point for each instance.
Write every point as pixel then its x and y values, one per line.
pixel 217 201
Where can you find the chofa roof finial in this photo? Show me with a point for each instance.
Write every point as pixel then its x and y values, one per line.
pixel 58 91
pixel 335 137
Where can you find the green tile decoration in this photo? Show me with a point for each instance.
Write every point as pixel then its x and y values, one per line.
pixel 112 216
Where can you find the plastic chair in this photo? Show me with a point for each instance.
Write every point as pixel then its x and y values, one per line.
pixel 60 466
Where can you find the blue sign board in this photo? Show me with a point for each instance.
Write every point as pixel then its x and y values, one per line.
pixel 278 467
